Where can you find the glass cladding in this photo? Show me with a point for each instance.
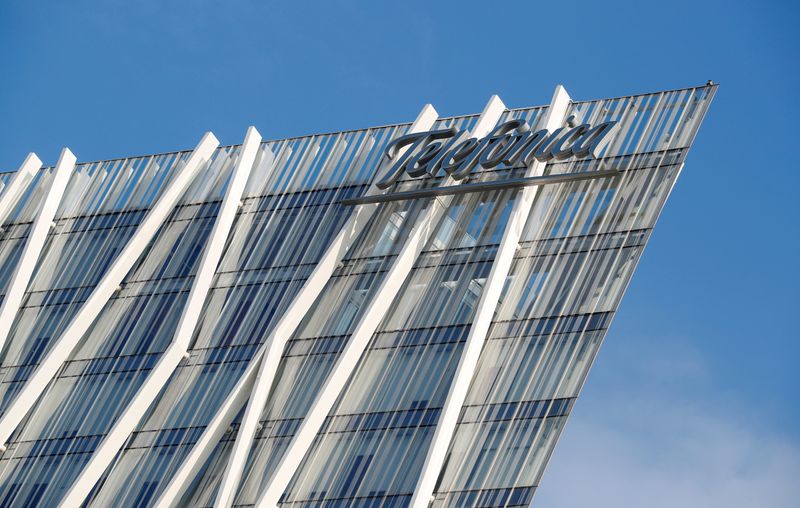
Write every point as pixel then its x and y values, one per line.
pixel 577 252
pixel 101 207
pixel 114 357
pixel 579 248
pixel 369 447
pixel 15 228
pixel 291 212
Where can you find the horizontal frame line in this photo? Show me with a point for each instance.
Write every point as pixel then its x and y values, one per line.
pixel 481 187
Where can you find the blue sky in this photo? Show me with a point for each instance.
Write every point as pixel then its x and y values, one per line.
pixel 693 400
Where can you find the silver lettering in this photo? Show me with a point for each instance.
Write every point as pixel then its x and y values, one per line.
pixel 509 143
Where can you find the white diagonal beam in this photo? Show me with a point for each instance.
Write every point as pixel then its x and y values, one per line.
pixel 37 233
pixel 373 315
pixel 215 429
pixel 177 349
pixel 256 391
pixel 285 328
pixel 484 313
pixel 69 339
pixel 18 183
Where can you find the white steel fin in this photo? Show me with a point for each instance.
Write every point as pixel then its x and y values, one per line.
pixel 37 234
pixel 19 182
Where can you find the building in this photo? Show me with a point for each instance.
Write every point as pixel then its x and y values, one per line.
pixel 395 316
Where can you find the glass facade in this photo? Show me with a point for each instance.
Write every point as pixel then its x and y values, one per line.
pixel 579 247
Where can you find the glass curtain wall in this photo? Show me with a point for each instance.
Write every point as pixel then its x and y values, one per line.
pixel 16 226
pixel 579 248
pixel 368 451
pixel 314 348
pixel 291 212
pixel 114 357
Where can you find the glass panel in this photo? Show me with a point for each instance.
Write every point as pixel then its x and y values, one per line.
pixel 578 250
pixel 81 405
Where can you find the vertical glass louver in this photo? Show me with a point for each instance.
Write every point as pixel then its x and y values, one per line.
pixel 579 248
pixel 90 390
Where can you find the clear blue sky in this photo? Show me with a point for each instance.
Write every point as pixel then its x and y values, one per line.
pixel 693 400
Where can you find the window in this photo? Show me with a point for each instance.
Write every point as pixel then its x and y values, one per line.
pixel 145 495
pixel 355 475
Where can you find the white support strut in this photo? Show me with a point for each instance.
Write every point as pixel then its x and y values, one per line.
pixel 373 315
pixel 255 383
pixel 147 393
pixel 484 313
pixel 18 183
pixel 70 338
pixel 284 329
pixel 37 234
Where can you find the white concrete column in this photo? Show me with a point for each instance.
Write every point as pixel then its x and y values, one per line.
pixel 63 346
pixel 484 313
pixel 256 391
pixel 37 234
pixel 370 319
pixel 177 350
pixel 18 183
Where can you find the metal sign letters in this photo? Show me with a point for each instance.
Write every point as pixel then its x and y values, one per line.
pixel 509 144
